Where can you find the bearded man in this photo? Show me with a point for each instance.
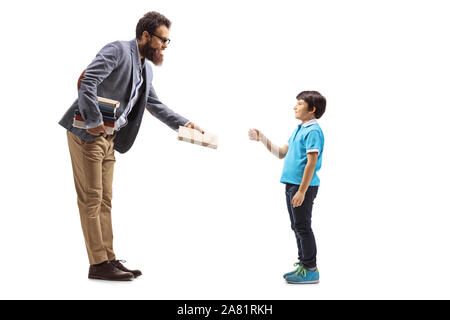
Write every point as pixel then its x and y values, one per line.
pixel 120 72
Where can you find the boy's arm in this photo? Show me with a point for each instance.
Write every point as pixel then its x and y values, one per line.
pixel 298 198
pixel 278 152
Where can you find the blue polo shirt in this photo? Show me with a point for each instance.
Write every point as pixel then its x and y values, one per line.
pixel 305 139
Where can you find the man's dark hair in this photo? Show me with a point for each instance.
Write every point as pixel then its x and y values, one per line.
pixel 150 22
pixel 314 99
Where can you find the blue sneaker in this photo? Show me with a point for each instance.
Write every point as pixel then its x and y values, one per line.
pixel 298 265
pixel 303 276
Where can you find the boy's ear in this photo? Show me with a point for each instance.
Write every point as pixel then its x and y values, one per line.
pixel 313 109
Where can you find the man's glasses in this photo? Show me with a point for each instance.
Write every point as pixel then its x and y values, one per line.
pixel 164 40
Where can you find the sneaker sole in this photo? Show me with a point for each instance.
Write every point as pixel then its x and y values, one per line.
pixel 304 282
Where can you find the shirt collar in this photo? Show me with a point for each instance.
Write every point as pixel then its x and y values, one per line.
pixel 141 65
pixel 309 123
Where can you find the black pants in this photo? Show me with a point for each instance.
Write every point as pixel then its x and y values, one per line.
pixel 301 224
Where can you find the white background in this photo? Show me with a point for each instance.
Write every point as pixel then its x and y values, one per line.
pixel 213 224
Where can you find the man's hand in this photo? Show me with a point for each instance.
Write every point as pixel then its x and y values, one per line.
pixel 194 126
pixel 253 134
pixel 298 198
pixel 100 130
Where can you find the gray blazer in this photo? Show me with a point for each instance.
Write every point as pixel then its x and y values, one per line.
pixel 113 74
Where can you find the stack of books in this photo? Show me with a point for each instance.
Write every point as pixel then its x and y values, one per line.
pixel 108 109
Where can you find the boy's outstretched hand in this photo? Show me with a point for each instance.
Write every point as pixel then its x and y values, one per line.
pixel 253 134
pixel 298 199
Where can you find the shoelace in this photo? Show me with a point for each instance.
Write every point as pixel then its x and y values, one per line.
pixel 301 271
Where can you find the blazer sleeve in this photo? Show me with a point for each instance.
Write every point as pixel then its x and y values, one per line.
pixel 164 113
pixel 100 68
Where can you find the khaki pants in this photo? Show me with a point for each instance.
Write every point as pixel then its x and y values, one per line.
pixel 93 167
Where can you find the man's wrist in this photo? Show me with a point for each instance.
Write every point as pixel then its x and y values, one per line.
pixel 94 125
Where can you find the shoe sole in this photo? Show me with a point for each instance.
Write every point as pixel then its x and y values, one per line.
pixel 304 282
pixel 106 279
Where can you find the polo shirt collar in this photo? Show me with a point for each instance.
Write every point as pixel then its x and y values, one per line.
pixel 309 123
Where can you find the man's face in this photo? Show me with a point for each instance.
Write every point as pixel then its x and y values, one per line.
pixel 301 110
pixel 155 44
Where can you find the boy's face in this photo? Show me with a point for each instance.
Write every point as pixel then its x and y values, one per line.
pixel 302 112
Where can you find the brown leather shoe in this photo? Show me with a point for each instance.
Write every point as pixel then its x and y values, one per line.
pixel 107 271
pixel 118 264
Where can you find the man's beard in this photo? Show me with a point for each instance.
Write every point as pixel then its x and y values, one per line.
pixel 154 55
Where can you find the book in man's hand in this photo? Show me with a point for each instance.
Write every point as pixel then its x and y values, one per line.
pixel 108 102
pixel 105 117
pixel 78 122
pixel 82 125
pixel 108 109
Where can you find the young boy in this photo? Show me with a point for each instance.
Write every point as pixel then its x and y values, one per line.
pixel 303 158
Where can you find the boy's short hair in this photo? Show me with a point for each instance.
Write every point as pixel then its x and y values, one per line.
pixel 150 22
pixel 314 99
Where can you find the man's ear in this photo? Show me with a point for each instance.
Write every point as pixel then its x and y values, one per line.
pixel 145 34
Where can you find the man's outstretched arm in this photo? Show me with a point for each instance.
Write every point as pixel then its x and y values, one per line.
pixel 167 115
